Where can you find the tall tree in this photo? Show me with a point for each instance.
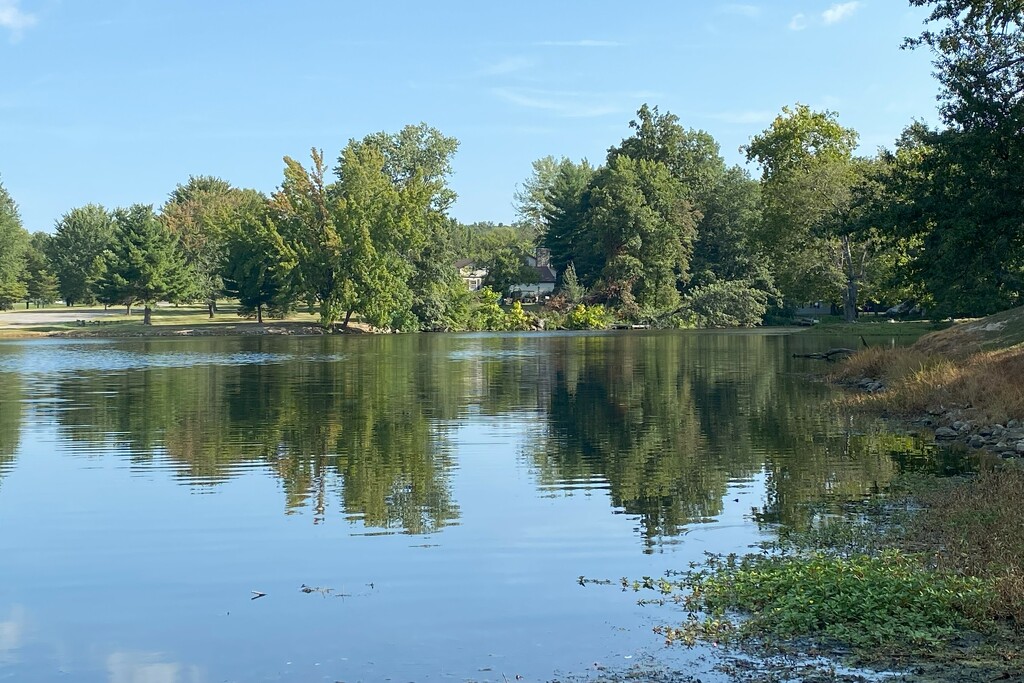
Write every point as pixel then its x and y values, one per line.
pixel 565 221
pixel 40 282
pixel 199 214
pixel 640 216
pixel 76 251
pixel 14 241
pixel 692 156
pixel 807 166
pixel 258 262
pixel 966 205
pixel 532 200
pixel 144 263
pixel 304 212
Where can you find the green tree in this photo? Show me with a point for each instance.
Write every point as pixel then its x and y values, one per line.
pixel 76 251
pixel 646 228
pixel 963 201
pixel 40 282
pixel 144 263
pixel 14 242
pixel 199 213
pixel 304 212
pixel 258 263
pixel 692 156
pixel 532 200
pixel 808 171
pixel 565 224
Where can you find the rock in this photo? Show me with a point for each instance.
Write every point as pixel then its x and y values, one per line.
pixel 936 410
pixel 997 430
pixel 1013 424
pixel 959 425
pixel 985 430
pixel 976 441
pixel 1020 448
pixel 945 433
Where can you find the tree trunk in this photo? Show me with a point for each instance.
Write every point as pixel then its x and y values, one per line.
pixel 211 307
pixel 129 307
pixel 259 313
pixel 348 316
pixel 147 315
pixel 850 296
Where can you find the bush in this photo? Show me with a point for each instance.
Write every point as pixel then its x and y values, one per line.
pixel 734 303
pixel 583 317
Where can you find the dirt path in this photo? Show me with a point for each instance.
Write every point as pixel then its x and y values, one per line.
pixel 53 316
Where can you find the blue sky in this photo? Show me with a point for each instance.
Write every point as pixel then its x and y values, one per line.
pixel 117 101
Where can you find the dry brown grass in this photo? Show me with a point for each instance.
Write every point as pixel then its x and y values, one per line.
pixel 975 527
pixel 987 386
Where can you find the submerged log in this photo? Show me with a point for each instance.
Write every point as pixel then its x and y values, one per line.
pixel 831 354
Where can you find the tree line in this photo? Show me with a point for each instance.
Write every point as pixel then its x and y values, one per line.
pixel 663 232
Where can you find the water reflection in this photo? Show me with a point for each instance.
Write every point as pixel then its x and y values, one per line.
pixel 11 407
pixel 664 422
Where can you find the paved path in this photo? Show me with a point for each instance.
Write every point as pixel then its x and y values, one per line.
pixel 53 316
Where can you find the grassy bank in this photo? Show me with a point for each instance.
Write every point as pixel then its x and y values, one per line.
pixel 927 579
pixel 971 372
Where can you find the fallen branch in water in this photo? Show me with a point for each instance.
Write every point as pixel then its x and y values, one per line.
pixel 831 354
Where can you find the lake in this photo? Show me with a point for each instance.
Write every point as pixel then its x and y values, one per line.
pixel 403 507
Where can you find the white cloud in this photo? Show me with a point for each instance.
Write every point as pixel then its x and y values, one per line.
pixel 571 104
pixel 839 12
pixel 507 66
pixel 580 43
pixel 748 11
pixel 14 18
pixel 798 22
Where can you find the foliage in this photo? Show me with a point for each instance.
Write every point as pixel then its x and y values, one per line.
pixel 733 303
pixel 691 156
pixel 14 241
pixel 76 251
pixel 199 214
pixel 871 602
pixel 640 217
pixel 583 317
pixel 503 252
pixel 963 195
pixel 258 264
pixel 565 225
pixel 486 312
pixel 304 211
pixel 41 284
pixel 571 287
pixel 144 263
pixel 807 175
pixel 533 200
pixel 516 319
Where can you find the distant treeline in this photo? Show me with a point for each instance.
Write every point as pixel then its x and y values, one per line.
pixel 663 232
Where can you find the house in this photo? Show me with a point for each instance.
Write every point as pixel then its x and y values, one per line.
pixel 546 277
pixel 470 274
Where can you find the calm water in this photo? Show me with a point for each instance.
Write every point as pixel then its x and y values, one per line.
pixel 442 492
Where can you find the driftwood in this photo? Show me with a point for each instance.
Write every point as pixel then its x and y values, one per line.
pixel 831 354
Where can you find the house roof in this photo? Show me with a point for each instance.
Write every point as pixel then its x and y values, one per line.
pixel 546 274
pixel 463 263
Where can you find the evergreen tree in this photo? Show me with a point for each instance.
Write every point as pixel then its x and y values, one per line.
pixel 14 241
pixel 144 263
